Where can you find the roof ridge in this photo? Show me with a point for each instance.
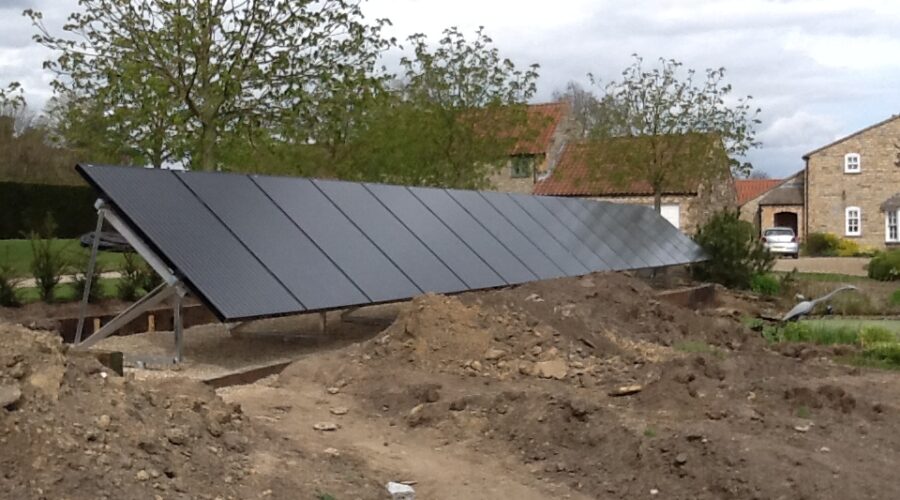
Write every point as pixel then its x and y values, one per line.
pixel 851 135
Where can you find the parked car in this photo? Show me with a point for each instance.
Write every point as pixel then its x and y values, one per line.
pixel 781 241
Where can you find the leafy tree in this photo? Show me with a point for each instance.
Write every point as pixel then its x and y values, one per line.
pixel 734 253
pixel 583 103
pixel 669 129
pixel 175 78
pixel 759 174
pixel 455 115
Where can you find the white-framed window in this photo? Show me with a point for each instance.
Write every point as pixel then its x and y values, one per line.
pixel 891 232
pixel 852 221
pixel 851 163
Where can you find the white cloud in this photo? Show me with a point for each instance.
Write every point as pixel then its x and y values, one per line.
pixel 820 69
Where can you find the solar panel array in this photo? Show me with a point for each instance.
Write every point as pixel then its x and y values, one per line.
pixel 255 246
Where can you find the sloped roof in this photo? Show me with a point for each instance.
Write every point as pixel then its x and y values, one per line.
pixel 854 134
pixel 788 192
pixel 574 175
pixel 748 189
pixel 541 123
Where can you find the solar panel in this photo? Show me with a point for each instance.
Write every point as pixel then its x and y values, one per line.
pixel 255 246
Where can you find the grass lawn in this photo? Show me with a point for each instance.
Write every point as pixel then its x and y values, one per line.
pixel 892 325
pixel 66 292
pixel 17 254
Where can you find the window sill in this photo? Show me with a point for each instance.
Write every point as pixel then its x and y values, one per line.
pixel 852 172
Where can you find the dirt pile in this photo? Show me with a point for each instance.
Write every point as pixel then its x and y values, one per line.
pixel 535 375
pixel 70 428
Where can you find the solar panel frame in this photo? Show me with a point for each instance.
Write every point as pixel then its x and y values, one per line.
pixel 535 233
pixel 505 263
pixel 178 230
pixel 379 278
pixel 529 254
pixel 255 246
pixel 240 204
pixel 402 247
pixel 467 265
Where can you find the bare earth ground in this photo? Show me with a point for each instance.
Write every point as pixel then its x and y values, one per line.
pixel 853 266
pixel 506 394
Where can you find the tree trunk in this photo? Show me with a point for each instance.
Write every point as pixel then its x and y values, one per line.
pixel 657 200
pixel 207 145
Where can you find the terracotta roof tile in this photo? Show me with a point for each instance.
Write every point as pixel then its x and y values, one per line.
pixel 573 176
pixel 542 122
pixel 747 189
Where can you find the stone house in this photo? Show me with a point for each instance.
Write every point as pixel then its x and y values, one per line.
pixel 852 186
pixel 773 202
pixel 549 127
pixel 686 207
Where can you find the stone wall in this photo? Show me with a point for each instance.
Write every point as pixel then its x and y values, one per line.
pixel 767 216
pixel 750 211
pixel 502 179
pixel 830 190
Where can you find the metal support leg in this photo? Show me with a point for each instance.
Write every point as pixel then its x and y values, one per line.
pixel 89 276
pixel 157 295
pixel 179 329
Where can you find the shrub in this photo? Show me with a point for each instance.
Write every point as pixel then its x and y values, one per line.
pixel 821 245
pixel 895 298
pixel 95 293
pixel 24 206
pixel 871 335
pixel 734 252
pixel 848 248
pixel 817 334
pixel 8 282
pixel 138 278
pixel 853 304
pixel 885 266
pixel 765 284
pixel 48 261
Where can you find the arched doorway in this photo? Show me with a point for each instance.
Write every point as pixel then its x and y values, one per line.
pixel 786 219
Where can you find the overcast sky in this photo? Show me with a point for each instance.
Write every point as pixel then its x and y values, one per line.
pixel 819 69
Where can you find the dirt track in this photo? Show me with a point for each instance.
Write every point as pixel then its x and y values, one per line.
pixel 852 266
pixel 501 395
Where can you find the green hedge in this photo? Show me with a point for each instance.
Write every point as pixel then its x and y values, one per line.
pixel 23 208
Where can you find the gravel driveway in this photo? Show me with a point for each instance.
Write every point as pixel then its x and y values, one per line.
pixel 854 266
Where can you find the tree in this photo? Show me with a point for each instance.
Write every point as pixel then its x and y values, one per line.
pixel 176 78
pixel 584 105
pixel 669 129
pixel 453 117
pixel 759 174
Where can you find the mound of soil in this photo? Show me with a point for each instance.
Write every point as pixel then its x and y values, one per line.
pixel 594 386
pixel 70 428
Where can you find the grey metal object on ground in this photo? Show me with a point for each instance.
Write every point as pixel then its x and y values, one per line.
pixel 806 307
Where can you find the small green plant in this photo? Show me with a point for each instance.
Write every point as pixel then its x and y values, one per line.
pixel 886 354
pixel 895 298
pixel 735 253
pixel 130 285
pixel 885 266
pixel 871 335
pixel 650 432
pixel 8 294
pixel 95 293
pixel 765 284
pixel 803 412
pixel 821 245
pixel 324 496
pixel 48 261
pixel 800 331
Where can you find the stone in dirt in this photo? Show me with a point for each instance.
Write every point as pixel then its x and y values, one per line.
pixel 339 410
pixel 494 354
pixel 626 390
pixel 9 395
pixel 325 426
pixel 555 368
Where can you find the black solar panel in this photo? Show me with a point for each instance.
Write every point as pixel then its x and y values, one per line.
pixel 256 246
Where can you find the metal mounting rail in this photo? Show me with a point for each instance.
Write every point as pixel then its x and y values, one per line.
pixel 171 288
